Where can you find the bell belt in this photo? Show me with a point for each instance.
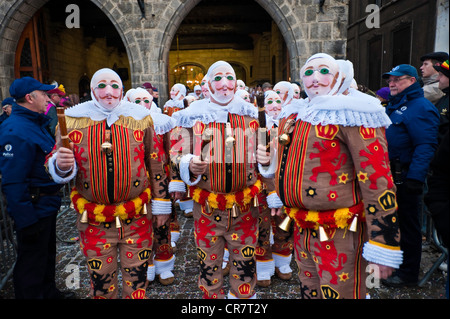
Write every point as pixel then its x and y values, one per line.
pixel 335 218
pixel 107 213
pixel 219 201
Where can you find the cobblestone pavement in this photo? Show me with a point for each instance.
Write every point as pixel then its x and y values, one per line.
pixel 71 262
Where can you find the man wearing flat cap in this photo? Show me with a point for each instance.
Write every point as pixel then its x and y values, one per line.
pixel 429 75
pixel 412 141
pixel 31 194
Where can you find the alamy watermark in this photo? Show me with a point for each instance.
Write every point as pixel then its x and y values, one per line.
pixel 373 19
pixel 73 19
pixel 73 279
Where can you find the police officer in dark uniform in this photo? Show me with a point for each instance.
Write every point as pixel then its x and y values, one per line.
pixel 32 196
pixel 412 141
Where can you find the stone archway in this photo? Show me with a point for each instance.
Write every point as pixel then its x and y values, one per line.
pixel 176 16
pixel 14 20
pixel 148 41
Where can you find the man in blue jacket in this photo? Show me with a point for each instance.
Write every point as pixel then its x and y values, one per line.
pixel 412 141
pixel 32 196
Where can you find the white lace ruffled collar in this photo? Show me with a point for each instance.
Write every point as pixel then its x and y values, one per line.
pixel 207 112
pixel 354 109
pixel 174 103
pixel 162 123
pixel 125 108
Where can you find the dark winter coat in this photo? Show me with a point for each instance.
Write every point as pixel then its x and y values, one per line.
pixel 25 141
pixel 412 137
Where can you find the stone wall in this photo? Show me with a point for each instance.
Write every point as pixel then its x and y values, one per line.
pixel 304 29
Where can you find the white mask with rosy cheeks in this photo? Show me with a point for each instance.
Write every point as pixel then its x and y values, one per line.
pixel 272 104
pixel 240 85
pixel 243 94
pixel 204 86
pixel 178 92
pixel 222 82
pixel 142 97
pixel 106 89
pixel 296 89
pixel 285 90
pixel 319 76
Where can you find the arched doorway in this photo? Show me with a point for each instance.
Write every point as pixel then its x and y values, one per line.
pixel 32 53
pixel 188 73
pixel 236 31
pixel 289 46
pixel 44 47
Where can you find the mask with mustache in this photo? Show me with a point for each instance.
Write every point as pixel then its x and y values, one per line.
pixel 320 75
pixel 106 89
pixel 221 82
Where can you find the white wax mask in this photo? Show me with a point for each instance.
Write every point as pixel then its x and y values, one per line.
pixel 142 97
pixel 107 88
pixel 272 104
pixel 319 76
pixel 222 82
pixel 204 86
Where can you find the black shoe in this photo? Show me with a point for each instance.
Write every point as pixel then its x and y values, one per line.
pixel 396 282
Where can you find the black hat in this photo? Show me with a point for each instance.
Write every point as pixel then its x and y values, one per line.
pixel 439 56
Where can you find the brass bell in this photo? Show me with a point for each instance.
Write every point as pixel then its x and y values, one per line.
pixel 234 211
pixel 107 147
pixel 284 139
pixel 207 208
pixel 230 141
pixel 285 224
pixel 207 135
pixel 354 224
pixel 118 223
pixel 255 201
pixel 144 209
pixel 84 217
pixel 322 234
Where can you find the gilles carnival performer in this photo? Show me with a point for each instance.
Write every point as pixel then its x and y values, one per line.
pixel 217 162
pixel 119 185
pixel 333 176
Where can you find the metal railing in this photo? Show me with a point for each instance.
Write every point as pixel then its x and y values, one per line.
pixel 8 245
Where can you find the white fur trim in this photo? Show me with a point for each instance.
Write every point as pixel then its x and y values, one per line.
pixel 184 170
pixel 265 269
pixel 177 186
pixel 52 170
pixel 151 273
pixel 268 171
pixel 273 201
pixel 187 205
pixel 383 256
pixel 164 268
pixel 174 235
pixel 161 206
pixel 282 263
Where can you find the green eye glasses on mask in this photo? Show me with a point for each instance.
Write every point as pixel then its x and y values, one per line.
pixel 139 101
pixel 322 71
pixel 103 85
pixel 217 78
pixel 270 101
